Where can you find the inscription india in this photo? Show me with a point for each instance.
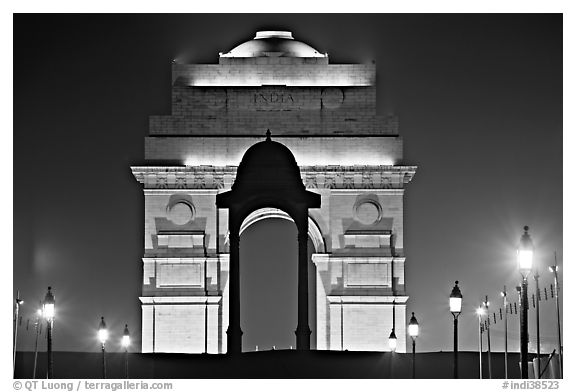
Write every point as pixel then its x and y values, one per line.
pixel 272 98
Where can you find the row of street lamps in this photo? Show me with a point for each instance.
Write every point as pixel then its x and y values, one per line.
pixel 455 303
pixel 47 311
pixel 125 342
pixel 413 330
pixel 524 256
pixel 525 265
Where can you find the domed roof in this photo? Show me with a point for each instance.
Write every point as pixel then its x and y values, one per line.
pixel 273 44
pixel 268 176
pixel 268 164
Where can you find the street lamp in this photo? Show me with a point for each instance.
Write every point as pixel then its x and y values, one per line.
pixel 480 312
pixel 486 305
pixel 413 330
pixel 392 341
pixel 125 344
pixel 455 309
pixel 103 336
pixel 536 279
pixel 554 270
pixel 519 292
pixel 525 255
pixel 18 301
pixel 504 295
pixel 48 312
pixel 37 326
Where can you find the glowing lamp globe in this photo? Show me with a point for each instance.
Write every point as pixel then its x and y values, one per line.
pixel 48 305
pixel 102 332
pixel 103 335
pixel 525 260
pixel 126 337
pixel 413 327
pixel 480 311
pixel 525 253
pixel 392 341
pixel 553 268
pixel 456 300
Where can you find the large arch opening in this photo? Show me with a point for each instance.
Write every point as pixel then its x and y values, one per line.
pixel 268 282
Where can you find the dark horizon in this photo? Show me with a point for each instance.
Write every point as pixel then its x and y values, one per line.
pixel 479 99
pixel 270 365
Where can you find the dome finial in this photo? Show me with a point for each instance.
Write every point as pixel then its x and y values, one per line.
pixel 268 134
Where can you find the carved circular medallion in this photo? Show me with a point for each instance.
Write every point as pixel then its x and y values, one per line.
pixel 332 98
pixel 214 98
pixel 368 212
pixel 180 213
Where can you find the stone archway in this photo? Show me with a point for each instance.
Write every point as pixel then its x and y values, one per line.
pixel 326 116
pixel 267 177
pixel 266 213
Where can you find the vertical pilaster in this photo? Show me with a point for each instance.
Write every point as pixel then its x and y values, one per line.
pixel 303 329
pixel 234 333
pixel 213 328
pixel 336 330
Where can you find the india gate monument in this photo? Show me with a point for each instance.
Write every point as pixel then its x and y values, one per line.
pixel 274 130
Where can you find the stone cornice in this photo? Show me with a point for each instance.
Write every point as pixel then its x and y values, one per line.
pixel 400 300
pixel 185 300
pixel 330 258
pixel 313 177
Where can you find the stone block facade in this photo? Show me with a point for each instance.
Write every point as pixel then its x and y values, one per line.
pixel 326 115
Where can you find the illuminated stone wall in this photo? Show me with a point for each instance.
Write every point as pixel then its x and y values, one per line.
pixel 321 150
pixel 353 157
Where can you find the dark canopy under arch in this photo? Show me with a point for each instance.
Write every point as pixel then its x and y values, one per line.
pixel 268 176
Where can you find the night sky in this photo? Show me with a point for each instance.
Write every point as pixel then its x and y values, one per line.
pixel 479 99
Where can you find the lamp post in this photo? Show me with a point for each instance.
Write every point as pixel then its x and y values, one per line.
pixel 536 278
pixel 392 341
pixel 125 344
pixel 103 336
pixel 455 309
pixel 486 305
pixel 480 312
pixel 18 301
pixel 413 330
pixel 48 312
pixel 37 325
pixel 525 254
pixel 554 270
pixel 504 295
pixel 519 292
